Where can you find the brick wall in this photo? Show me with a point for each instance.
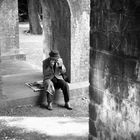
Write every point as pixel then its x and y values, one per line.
pixel 114 108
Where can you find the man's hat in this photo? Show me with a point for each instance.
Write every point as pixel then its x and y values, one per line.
pixel 54 54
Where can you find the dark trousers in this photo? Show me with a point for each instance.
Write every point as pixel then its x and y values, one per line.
pixel 59 84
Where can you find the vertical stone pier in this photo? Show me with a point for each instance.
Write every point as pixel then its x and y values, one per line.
pixel 114 108
pixel 9 30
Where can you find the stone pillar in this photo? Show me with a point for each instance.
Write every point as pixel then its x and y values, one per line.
pixel 68 32
pixel 0 77
pixel 9 35
pixel 79 40
pixel 114 108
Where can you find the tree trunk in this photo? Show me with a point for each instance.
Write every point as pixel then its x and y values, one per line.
pixel 34 17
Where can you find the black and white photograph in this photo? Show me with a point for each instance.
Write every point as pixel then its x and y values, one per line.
pixel 69 69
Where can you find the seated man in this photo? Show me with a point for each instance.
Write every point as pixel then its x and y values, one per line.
pixel 53 69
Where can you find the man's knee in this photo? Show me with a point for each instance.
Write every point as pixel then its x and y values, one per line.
pixel 48 86
pixel 47 82
pixel 64 84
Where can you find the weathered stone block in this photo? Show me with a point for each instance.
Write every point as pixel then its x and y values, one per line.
pixel 97 59
pixel 96 78
pixel 115 43
pixel 115 65
pixel 99 41
pixel 96 96
pixel 115 124
pixel 93 58
pixel 107 62
pixel 92 112
pixel 92 128
pixel 130 69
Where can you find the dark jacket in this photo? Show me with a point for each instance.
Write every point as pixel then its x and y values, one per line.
pixel 49 72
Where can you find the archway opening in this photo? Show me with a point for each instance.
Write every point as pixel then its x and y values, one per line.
pixel 30 31
pixel 55 22
pixel 57 29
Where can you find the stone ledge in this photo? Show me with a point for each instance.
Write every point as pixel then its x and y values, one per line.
pixel 78 85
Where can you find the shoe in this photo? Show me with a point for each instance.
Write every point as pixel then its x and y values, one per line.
pixel 49 107
pixel 67 105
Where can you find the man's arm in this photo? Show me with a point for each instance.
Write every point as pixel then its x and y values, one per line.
pixel 47 72
pixel 61 66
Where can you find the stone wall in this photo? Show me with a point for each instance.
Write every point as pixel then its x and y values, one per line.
pixel 114 108
pixel 9 27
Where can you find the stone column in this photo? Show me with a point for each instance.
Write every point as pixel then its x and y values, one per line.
pixel 79 40
pixel 114 108
pixel 9 35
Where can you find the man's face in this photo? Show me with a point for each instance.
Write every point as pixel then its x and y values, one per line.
pixel 52 61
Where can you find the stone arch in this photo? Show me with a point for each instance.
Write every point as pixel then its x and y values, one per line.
pixel 57 29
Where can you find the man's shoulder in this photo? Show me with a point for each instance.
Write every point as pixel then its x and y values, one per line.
pixel 46 60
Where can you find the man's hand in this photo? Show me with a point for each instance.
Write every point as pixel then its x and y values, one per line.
pixel 59 62
pixel 52 62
